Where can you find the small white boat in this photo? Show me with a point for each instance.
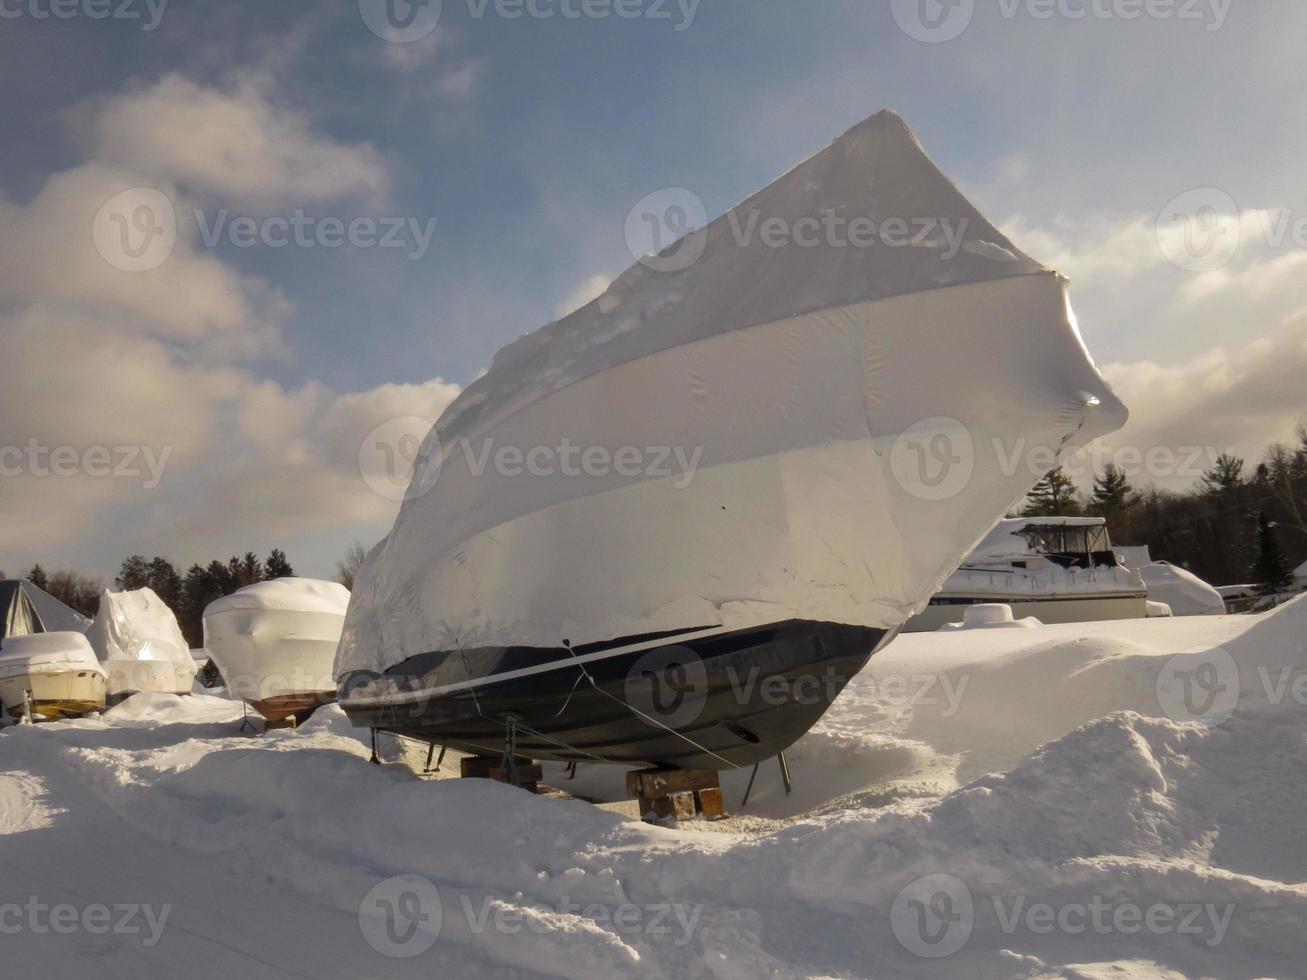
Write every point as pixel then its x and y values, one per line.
pixel 1057 569
pixel 275 642
pixel 136 637
pixel 55 675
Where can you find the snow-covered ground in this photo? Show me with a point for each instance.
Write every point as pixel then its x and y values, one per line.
pixel 1090 800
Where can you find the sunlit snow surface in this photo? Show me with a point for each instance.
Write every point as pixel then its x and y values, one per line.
pixel 1038 768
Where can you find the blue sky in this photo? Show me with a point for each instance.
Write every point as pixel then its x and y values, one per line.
pixel 528 141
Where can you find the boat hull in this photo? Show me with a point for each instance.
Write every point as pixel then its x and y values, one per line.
pixel 1048 610
pixel 703 699
pixel 54 694
pixel 128 677
pixel 300 706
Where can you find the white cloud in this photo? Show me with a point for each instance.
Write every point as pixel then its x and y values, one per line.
pixel 232 143
pixel 151 362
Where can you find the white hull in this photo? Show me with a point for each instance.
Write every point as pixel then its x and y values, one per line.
pixel 802 506
pixel 55 693
pixel 272 653
pixel 1049 610
pixel 127 677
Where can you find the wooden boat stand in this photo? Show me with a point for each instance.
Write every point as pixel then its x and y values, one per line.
pixel 677 794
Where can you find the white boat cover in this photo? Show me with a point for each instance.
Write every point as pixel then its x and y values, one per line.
pixel 276 638
pixel 137 627
pixel 1182 590
pixel 47 653
pixel 792 370
pixel 293 594
pixel 1006 542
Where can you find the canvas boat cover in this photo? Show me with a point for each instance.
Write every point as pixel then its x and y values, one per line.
pixel 138 625
pixel 28 609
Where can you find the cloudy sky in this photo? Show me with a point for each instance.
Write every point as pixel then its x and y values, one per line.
pixel 511 142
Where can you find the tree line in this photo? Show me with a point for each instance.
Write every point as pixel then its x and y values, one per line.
pixel 186 595
pixel 1236 525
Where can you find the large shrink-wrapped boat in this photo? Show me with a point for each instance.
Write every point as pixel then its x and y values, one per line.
pixel 735 473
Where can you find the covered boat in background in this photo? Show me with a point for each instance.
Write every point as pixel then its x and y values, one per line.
pixel 56 673
pixel 1056 569
pixel 27 608
pixel 669 527
pixel 137 640
pixel 274 643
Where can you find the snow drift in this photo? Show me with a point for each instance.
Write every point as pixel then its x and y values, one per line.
pixel 1183 591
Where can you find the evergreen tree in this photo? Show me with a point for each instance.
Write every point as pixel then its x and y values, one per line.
pixel 251 569
pixel 277 566
pixel 166 583
pixel 134 574
pixel 1113 494
pixel 38 577
pixel 1271 570
pixel 1053 496
pixel 1225 476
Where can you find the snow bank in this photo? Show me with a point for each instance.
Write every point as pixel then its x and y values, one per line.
pixel 1134 844
pixel 1183 591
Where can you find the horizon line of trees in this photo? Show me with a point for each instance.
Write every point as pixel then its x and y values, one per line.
pixel 1234 526
pixel 186 595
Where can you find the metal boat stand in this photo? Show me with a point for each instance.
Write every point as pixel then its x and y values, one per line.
pixel 431 750
pixel 785 778
pixel 245 719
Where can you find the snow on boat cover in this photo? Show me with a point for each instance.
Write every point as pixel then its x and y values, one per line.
pixel 837 403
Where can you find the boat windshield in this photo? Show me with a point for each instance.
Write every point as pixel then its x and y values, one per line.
pixel 1072 546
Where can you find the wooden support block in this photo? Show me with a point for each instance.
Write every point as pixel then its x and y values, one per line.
pixel 710 804
pixel 476 766
pixel 654 783
pixel 675 806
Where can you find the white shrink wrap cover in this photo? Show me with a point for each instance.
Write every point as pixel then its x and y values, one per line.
pixel 767 425
pixel 137 640
pixel 276 639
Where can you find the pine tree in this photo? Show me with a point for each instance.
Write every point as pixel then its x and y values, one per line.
pixel 1053 496
pixel 277 566
pixel 1225 476
pixel 251 569
pixel 38 577
pixel 1270 570
pixel 134 574
pixel 166 583
pixel 1113 494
